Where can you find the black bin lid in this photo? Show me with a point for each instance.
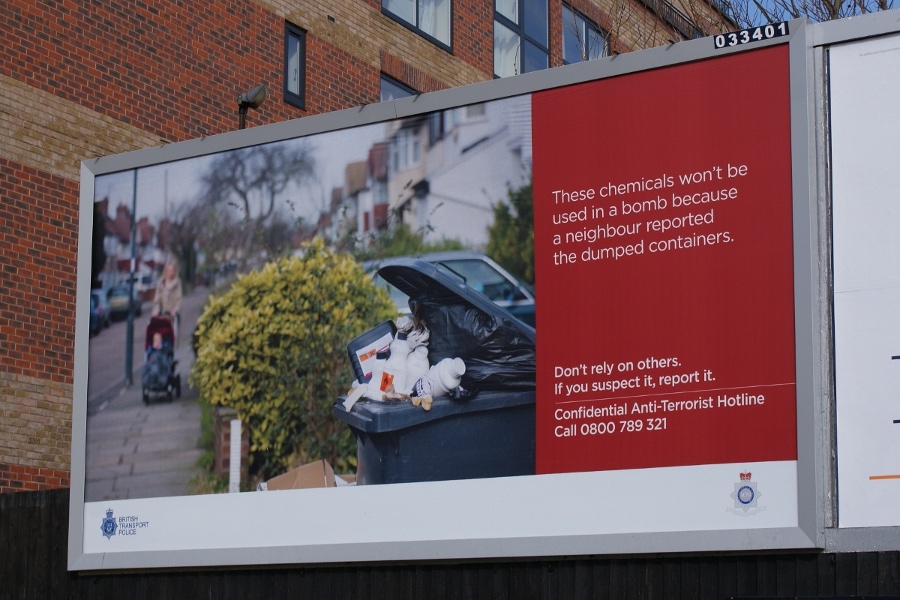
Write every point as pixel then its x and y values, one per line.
pixel 497 348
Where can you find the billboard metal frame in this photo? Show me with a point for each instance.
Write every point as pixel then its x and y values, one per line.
pixel 814 379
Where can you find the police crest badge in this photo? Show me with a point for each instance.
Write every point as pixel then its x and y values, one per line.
pixel 746 495
pixel 108 527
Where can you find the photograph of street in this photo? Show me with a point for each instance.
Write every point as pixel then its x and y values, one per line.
pixel 409 186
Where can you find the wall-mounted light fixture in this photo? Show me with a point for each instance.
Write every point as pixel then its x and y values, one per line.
pixel 252 99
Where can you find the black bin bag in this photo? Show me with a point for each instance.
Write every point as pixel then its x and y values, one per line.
pixel 490 433
pixel 497 348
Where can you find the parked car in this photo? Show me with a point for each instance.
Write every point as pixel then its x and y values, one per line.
pixel 95 326
pixel 478 272
pixel 100 315
pixel 119 304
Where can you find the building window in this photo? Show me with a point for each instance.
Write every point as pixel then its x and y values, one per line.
pixel 474 111
pixel 435 127
pixel 405 150
pixel 391 89
pixel 520 36
pixel 582 39
pixel 294 65
pixel 430 18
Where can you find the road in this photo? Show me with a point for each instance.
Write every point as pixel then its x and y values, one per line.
pixel 134 450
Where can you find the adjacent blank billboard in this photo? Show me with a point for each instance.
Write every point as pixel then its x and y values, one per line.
pixel 864 93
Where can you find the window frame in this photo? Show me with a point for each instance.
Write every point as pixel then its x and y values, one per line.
pixel 397 84
pixel 588 24
pixel 298 98
pixel 521 31
pixel 405 150
pixel 414 27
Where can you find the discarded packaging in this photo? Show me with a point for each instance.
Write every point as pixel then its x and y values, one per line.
pixel 318 474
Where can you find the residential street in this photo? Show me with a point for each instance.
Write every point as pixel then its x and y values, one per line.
pixel 134 450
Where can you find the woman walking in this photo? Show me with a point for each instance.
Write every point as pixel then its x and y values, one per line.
pixel 167 300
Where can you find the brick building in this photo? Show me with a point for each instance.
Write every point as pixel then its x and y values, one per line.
pixel 80 80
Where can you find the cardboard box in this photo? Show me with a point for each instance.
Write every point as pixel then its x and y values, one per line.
pixel 314 475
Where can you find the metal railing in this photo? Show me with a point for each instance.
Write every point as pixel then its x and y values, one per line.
pixel 675 18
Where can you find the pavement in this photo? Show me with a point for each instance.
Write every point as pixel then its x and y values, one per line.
pixel 135 450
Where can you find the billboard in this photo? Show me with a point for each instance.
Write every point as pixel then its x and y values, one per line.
pixel 864 144
pixel 665 394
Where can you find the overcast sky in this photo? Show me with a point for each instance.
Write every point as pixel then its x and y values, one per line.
pixel 162 188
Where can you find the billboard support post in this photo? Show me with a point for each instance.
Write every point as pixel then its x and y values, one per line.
pixel 129 331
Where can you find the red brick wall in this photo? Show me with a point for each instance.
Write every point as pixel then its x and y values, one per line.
pixel 17 478
pixel 473 34
pixel 38 235
pixel 135 61
pixel 409 75
pixel 335 79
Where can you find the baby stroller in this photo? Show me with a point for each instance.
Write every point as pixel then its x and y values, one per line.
pixel 159 377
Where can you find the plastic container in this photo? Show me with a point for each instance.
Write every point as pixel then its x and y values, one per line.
pixel 363 349
pixel 417 364
pixel 394 372
pixel 441 379
pixel 488 435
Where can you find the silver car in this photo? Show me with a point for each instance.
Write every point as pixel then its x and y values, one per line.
pixel 480 273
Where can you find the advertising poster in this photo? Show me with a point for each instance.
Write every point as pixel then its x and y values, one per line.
pixel 634 391
pixel 663 242
pixel 864 93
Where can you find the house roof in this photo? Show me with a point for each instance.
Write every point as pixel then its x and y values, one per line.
pixel 355 177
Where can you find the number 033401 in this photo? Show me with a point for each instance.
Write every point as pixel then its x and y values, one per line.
pixel 754 34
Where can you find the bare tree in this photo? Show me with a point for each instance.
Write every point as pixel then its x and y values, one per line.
pixel 750 13
pixel 255 181
pixel 197 229
pixel 252 179
pixel 591 42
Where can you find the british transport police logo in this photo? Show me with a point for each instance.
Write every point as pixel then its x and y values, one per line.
pixel 108 527
pixel 119 526
pixel 746 496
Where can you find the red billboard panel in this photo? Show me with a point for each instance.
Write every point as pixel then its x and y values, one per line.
pixel 663 243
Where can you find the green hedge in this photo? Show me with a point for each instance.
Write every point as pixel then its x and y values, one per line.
pixel 274 348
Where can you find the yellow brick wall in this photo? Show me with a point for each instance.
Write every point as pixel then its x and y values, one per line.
pixel 35 422
pixel 41 130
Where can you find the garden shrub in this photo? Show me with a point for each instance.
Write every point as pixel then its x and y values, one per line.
pixel 274 348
